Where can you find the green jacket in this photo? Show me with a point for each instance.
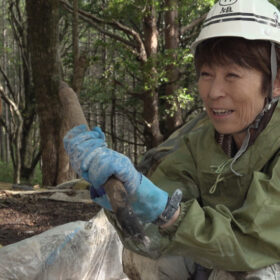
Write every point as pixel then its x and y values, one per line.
pixel 227 221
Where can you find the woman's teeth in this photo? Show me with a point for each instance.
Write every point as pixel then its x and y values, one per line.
pixel 221 111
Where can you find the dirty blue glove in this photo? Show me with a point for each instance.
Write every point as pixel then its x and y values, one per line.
pixel 77 142
pixel 92 160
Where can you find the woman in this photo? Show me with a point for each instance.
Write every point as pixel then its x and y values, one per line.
pixel 227 168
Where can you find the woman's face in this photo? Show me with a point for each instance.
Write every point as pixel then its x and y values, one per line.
pixel 232 97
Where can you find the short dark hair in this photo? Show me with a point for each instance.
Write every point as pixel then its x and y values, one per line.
pixel 245 53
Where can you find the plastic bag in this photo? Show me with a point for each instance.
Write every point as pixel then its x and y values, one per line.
pixel 73 251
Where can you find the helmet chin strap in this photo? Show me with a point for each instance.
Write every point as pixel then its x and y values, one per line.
pixel 273 65
pixel 255 124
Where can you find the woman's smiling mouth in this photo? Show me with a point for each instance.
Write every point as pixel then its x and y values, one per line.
pixel 221 112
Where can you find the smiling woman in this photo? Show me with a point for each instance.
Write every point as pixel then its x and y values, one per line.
pixel 250 54
pixel 234 82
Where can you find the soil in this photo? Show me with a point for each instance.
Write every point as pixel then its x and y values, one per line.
pixel 24 216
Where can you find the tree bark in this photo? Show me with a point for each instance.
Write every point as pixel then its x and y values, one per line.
pixel 75 34
pixel 42 18
pixel 22 93
pixel 153 136
pixel 80 62
pixel 15 136
pixel 174 118
pixel 79 73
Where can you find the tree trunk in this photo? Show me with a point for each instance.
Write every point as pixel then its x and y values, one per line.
pixel 79 73
pixel 7 140
pixel 2 139
pixel 42 18
pixel 21 93
pixel 153 136
pixel 80 61
pixel 75 37
pixel 174 118
pixel 18 163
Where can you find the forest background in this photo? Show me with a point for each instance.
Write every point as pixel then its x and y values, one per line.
pixel 128 61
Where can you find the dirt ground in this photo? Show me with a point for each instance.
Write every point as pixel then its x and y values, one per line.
pixel 24 216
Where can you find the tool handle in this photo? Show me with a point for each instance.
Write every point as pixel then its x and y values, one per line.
pixel 117 194
pixel 126 217
pixel 114 188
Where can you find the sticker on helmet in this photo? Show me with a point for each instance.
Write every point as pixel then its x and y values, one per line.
pixel 227 2
pixel 226 10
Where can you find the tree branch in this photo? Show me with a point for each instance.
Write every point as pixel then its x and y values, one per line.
pixel 10 102
pixel 139 95
pixel 18 31
pixel 124 140
pixel 9 86
pixel 190 26
pixel 4 124
pixel 96 21
pixel 130 46
pixel 136 124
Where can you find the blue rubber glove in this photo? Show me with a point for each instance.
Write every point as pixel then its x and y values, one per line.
pixel 92 160
pixel 77 143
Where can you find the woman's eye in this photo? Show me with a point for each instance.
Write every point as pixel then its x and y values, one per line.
pixel 232 75
pixel 205 74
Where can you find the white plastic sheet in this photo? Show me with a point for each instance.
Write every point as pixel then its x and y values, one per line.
pixel 73 251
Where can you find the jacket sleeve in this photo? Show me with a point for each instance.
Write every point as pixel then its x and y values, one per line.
pixel 240 240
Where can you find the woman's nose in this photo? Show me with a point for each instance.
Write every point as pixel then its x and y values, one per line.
pixel 217 88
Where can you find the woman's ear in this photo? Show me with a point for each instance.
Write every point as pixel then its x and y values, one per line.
pixel 276 88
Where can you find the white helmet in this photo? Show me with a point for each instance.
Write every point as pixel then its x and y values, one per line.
pixel 250 19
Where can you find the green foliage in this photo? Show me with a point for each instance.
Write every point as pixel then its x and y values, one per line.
pixel 114 78
pixel 6 174
pixel 117 75
pixel 37 177
pixel 275 3
pixel 185 100
pixel 188 12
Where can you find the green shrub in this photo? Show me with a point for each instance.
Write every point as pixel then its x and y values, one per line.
pixel 7 174
pixel 37 178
